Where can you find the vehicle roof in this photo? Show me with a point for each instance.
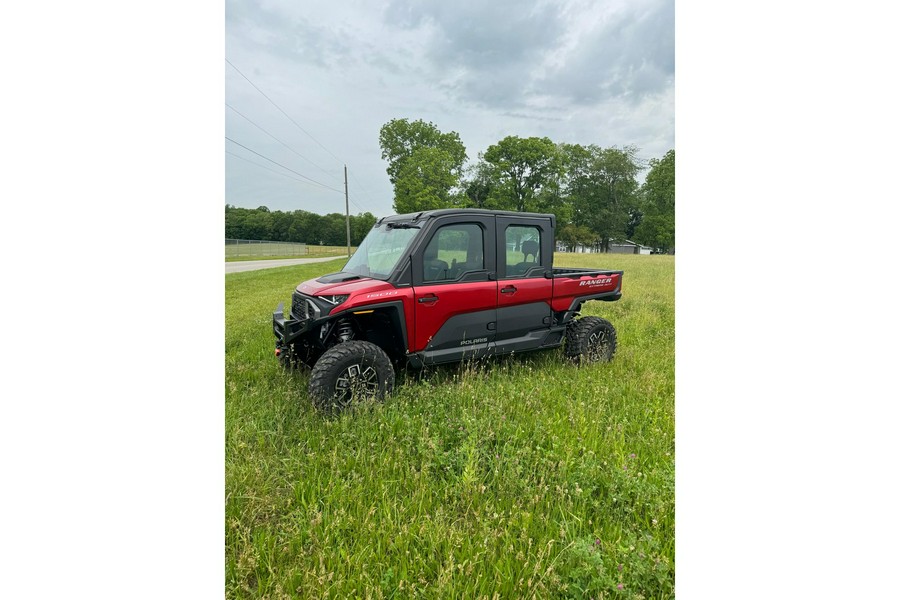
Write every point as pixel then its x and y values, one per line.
pixel 429 214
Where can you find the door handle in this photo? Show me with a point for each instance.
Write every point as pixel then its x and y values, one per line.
pixel 429 298
pixel 509 290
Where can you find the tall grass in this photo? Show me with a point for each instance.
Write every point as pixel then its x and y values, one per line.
pixel 516 477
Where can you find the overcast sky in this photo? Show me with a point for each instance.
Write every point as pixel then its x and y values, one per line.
pixel 589 72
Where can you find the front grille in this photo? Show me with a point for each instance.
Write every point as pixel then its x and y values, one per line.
pixel 299 307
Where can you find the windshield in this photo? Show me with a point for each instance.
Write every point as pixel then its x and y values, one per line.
pixel 378 254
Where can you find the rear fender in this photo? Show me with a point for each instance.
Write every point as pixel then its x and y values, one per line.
pixel 570 291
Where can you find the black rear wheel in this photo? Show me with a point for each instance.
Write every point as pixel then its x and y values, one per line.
pixel 590 340
pixel 349 373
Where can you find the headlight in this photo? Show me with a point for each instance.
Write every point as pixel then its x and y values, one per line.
pixel 334 300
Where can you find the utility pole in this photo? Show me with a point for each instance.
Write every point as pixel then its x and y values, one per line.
pixel 347 206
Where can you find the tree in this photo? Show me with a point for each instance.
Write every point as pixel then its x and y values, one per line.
pixel 297 226
pixel 281 225
pixel 635 216
pixel 307 227
pixel 399 138
pixel 360 225
pixel 480 184
pixel 426 181
pixel 258 225
pixel 603 187
pixel 234 221
pixel 525 168
pixel 575 234
pixel 657 228
pixel 334 230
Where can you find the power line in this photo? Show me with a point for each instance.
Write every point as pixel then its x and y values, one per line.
pixel 282 174
pixel 284 167
pixel 266 168
pixel 357 204
pixel 279 141
pixel 367 194
pixel 285 175
pixel 349 197
pixel 284 113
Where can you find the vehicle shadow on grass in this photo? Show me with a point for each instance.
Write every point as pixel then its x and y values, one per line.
pixel 431 376
pixel 487 366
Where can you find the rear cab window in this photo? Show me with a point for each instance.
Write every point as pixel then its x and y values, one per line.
pixel 523 251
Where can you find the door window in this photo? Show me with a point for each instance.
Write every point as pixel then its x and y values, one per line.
pixel 523 250
pixel 454 250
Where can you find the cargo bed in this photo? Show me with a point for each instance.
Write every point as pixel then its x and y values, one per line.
pixel 572 287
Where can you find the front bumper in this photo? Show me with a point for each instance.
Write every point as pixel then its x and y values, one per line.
pixel 304 314
pixel 287 330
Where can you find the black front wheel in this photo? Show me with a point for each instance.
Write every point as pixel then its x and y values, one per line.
pixel 348 373
pixel 590 340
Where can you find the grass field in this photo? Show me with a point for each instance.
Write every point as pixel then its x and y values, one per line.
pixel 521 477
pixel 240 252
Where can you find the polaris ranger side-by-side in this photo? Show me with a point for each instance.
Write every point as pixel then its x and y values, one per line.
pixel 437 287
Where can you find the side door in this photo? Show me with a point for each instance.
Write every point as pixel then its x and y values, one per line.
pixel 524 259
pixel 455 289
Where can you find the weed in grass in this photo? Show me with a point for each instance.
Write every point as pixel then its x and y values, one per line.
pixel 518 477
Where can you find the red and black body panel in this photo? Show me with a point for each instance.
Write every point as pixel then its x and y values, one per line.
pixel 455 319
pixel 377 309
pixel 574 287
pixel 524 315
pixel 480 307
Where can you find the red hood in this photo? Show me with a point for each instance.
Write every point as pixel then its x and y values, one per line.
pixel 348 288
pixel 361 292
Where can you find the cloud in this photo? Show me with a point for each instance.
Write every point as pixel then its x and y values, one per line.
pixel 509 56
pixel 483 53
pixel 577 71
pixel 479 35
pixel 628 54
pixel 287 33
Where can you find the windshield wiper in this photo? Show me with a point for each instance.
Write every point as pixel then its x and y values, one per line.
pixel 403 226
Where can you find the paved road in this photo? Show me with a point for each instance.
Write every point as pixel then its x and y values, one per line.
pixel 254 265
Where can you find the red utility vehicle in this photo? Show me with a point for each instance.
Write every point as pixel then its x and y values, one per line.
pixel 438 287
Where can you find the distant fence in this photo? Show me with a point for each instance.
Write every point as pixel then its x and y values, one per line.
pixel 234 248
pixel 241 249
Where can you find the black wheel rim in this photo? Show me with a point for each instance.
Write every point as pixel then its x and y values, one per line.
pixel 356 382
pixel 598 345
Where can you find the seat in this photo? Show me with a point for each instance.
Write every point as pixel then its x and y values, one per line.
pixel 455 269
pixel 435 268
pixel 522 268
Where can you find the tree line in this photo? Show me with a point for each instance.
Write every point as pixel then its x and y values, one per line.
pixel 295 226
pixel 593 191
